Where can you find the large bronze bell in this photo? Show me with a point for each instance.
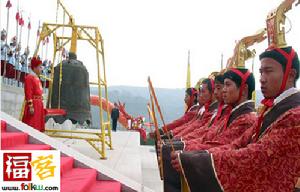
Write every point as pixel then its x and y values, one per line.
pixel 74 91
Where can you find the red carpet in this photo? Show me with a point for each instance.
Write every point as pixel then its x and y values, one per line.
pixel 13 139
pixel 28 147
pixel 66 164
pixel 72 179
pixel 106 186
pixel 3 125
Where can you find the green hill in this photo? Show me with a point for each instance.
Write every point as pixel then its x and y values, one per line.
pixel 136 99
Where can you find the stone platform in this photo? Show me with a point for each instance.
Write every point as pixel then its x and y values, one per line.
pixel 128 158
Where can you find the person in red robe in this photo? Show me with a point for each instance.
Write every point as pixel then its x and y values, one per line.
pixel 207 105
pixel 237 92
pixel 236 118
pixel 34 114
pixel 218 93
pixel 267 156
pixel 191 101
pixel 210 106
pixel 204 116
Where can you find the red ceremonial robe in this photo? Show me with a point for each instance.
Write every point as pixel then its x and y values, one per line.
pixel 196 117
pixel 241 118
pixel 270 164
pixel 188 116
pixel 198 123
pixel 170 176
pixel 200 131
pixel 34 93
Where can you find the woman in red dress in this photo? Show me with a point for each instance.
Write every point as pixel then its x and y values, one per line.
pixel 34 114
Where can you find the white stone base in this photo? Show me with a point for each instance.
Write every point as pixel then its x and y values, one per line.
pixel 128 158
pixel 11 100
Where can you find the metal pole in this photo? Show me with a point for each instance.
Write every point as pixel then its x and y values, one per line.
pixel 222 67
pixel 38 33
pixel 106 91
pixel 28 33
pixel 7 24
pixel 100 97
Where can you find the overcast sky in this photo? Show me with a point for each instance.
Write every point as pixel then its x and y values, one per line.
pixel 152 37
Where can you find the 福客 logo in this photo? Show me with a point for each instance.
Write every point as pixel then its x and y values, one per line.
pixel 43 166
pixel 16 167
pixel 21 166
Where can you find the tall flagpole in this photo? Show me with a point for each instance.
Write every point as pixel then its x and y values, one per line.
pixel 17 23
pixel 42 49
pixel 188 77
pixel 18 48
pixel 28 33
pixel 17 33
pixel 38 33
pixel 28 37
pixel 47 42
pixel 21 23
pixel 222 62
pixel 8 6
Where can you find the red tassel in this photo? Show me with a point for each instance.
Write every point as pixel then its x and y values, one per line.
pixel 260 120
pixel 29 25
pixel 268 102
pixel 17 16
pixel 21 22
pixel 8 4
pixel 219 112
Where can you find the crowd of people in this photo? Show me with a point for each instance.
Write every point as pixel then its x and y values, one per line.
pixel 222 143
pixel 15 62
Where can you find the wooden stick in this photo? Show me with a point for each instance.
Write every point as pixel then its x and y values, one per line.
pixel 160 113
pixel 154 118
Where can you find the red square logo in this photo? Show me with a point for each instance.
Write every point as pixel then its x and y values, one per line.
pixel 16 167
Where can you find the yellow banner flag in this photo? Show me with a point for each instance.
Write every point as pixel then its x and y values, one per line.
pixel 188 77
